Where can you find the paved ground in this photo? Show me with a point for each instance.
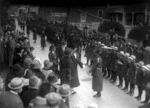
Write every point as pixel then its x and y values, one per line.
pixel 112 97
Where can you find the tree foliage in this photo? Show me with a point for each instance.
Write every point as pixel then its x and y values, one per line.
pixel 107 25
pixel 139 33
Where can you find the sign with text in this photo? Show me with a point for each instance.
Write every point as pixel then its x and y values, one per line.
pixel 83 18
pixel 59 14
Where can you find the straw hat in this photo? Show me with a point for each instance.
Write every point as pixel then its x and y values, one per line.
pixel 34 81
pixel 127 54
pixel 145 67
pixel 141 63
pixel 36 64
pixel 148 66
pixel 48 64
pixel 133 57
pixel 121 52
pixel 64 90
pixel 53 99
pixel 15 84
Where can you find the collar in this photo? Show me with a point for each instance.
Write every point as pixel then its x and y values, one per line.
pixel 13 92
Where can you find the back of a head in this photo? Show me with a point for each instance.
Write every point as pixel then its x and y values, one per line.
pixel 34 82
pixel 44 89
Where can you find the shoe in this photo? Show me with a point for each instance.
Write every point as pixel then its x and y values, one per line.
pixel 125 90
pixel 73 92
pixel 138 98
pixel 120 86
pixel 132 94
pixel 129 93
pixel 97 95
pixel 144 102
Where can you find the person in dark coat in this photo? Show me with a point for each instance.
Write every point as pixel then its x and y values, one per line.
pixel 34 36
pixel 139 79
pixel 126 63
pixel 60 49
pixel 18 56
pixel 43 41
pixel 40 101
pixel 146 79
pixel 17 71
pixel 11 99
pixel 1 53
pixel 65 67
pixel 11 45
pixel 36 69
pixel 113 64
pixel 74 70
pixel 32 92
pixel 120 68
pixel 53 58
pixel 96 70
pixel 131 75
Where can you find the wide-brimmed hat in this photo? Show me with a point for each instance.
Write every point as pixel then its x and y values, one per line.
pixel 127 54
pixel 27 60
pixel 121 52
pixel 148 66
pixel 52 77
pixel 53 99
pixel 64 90
pixel 48 64
pixel 145 67
pixel 36 64
pixel 34 81
pixel 15 83
pixel 141 63
pixel 133 57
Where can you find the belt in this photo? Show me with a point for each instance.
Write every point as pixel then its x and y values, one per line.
pixel 99 68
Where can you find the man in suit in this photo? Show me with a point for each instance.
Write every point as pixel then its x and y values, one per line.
pixel 32 92
pixel 11 99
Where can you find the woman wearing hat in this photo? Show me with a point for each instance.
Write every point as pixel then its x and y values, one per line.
pixel 46 70
pixel 146 79
pixel 17 71
pixel 74 71
pixel 131 74
pixel 96 71
pixel 65 67
pixel 139 78
pixel 126 63
pixel 36 69
pixel 53 58
pixel 119 68
pixel 43 42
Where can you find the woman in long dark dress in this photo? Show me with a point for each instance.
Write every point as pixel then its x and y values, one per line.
pixel 96 71
pixel 74 70
pixel 65 67
pixel 43 42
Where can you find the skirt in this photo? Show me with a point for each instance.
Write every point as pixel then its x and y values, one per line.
pixel 97 84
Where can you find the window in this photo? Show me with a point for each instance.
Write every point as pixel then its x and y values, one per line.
pixel 120 17
pixel 128 18
pixel 100 13
pixel 139 18
pixel 83 18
